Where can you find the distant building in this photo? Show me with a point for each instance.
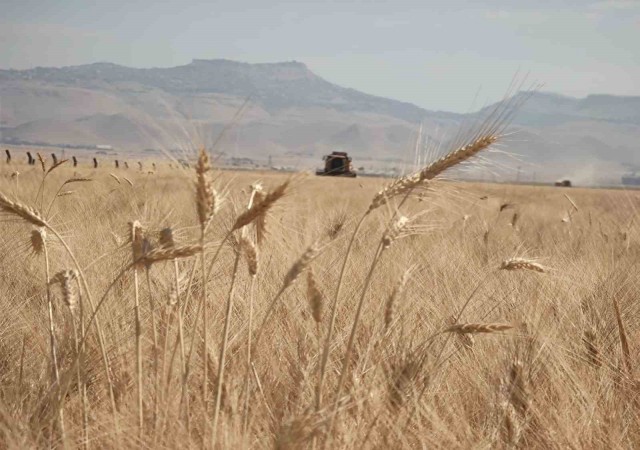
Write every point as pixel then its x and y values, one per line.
pixel 104 147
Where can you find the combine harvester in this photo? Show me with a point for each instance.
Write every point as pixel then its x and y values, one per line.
pixel 632 179
pixel 337 164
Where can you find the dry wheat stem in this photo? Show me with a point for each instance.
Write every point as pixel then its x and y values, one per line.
pixel 154 334
pixel 166 241
pixel 223 351
pixel 200 308
pixel 82 387
pixel 393 231
pixel 251 254
pixel 52 338
pixel 183 361
pixel 624 342
pixel 347 355
pixel 247 383
pixel 137 240
pixel 205 337
pixel 334 309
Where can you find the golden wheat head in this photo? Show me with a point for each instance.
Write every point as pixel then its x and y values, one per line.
pixel 25 212
pixel 475 328
pixel 522 264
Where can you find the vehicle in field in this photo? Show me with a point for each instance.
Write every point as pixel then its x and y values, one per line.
pixel 337 164
pixel 632 179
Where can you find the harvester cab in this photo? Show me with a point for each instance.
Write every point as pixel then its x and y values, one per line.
pixel 337 164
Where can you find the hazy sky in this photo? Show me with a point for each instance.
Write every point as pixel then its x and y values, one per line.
pixel 438 55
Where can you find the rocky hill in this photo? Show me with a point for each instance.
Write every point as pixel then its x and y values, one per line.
pixel 296 115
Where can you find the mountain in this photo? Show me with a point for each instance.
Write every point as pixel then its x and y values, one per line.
pixel 295 116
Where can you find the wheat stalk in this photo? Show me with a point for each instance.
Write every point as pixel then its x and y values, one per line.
pixel 166 240
pixel 56 165
pixel 206 205
pixel 52 338
pixel 624 341
pixel 137 248
pixel 223 351
pixel 42 163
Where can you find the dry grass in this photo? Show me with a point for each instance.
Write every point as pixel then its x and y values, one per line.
pixel 469 332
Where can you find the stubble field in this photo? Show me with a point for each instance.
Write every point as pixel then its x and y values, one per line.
pixel 468 315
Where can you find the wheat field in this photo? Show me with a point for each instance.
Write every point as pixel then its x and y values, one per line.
pixel 199 308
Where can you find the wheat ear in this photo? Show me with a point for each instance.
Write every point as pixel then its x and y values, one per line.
pixel 25 212
pixel 396 294
pixel 259 209
pixel 522 264
pixel 292 275
pixel 314 297
pixel 475 328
